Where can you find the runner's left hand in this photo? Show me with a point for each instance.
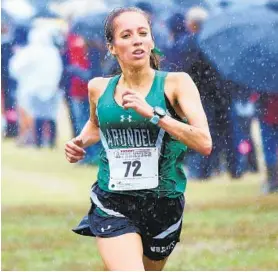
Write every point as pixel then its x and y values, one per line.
pixel 135 100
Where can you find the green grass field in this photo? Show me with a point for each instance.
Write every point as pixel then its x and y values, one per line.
pixel 228 225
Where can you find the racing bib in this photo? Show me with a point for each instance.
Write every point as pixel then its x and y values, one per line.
pixel 133 168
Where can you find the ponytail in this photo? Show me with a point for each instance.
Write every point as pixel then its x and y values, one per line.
pixel 154 60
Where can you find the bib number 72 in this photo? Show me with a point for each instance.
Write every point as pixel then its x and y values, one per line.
pixel 135 165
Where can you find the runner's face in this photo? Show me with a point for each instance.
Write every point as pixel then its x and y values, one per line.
pixel 132 39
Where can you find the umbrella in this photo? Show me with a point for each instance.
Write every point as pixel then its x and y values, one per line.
pixel 243 45
pixel 91 27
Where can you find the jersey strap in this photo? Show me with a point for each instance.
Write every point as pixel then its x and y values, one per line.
pixel 159 85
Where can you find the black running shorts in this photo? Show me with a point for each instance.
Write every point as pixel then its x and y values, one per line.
pixel 157 220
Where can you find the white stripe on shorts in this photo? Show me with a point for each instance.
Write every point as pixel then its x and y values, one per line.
pixel 99 205
pixel 171 229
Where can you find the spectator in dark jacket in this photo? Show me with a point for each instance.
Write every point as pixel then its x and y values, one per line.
pixel 268 117
pixel 178 56
pixel 215 94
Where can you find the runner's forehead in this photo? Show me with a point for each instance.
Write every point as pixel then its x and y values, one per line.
pixel 130 21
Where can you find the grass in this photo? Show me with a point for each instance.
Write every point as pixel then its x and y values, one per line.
pixel 227 225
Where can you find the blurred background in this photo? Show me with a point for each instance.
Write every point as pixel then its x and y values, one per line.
pixel 49 51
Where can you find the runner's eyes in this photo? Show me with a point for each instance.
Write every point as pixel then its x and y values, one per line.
pixel 126 36
pixel 143 33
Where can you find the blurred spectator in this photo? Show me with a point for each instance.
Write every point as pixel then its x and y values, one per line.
pixel 194 18
pixel 11 41
pixel 181 50
pixel 84 62
pixel 215 94
pixel 78 94
pixel 268 117
pixel 242 113
pixel 7 90
pixel 21 35
pixel 184 30
pixel 37 68
pixel 65 84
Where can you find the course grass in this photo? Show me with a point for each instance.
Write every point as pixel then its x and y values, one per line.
pixel 227 225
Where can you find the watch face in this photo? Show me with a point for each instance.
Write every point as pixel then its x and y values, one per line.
pixel 161 112
pixel 155 119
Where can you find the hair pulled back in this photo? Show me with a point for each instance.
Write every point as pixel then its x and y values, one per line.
pixel 109 30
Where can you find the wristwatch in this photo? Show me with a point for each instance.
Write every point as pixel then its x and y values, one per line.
pixel 158 114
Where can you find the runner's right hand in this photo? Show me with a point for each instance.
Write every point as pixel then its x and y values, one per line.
pixel 74 151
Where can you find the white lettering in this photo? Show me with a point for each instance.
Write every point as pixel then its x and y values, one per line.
pixel 120 136
pixel 109 138
pixel 149 138
pixel 163 249
pixel 130 140
pixel 124 137
pixel 144 137
pixel 128 137
pixel 137 136
pixel 115 136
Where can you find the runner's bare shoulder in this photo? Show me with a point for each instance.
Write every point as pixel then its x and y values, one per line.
pixel 97 86
pixel 173 82
pixel 174 78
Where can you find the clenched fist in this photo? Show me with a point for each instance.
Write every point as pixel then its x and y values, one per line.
pixel 74 151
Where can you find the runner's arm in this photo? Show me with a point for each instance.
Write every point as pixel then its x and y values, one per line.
pixel 90 132
pixel 196 133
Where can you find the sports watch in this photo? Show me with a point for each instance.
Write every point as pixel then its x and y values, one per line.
pixel 158 114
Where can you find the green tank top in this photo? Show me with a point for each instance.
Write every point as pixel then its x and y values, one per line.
pixel 123 130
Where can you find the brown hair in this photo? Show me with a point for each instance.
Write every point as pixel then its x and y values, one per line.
pixel 109 30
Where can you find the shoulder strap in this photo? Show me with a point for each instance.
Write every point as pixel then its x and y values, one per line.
pixel 112 84
pixel 158 88
pixel 109 90
pixel 160 80
pixel 158 85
